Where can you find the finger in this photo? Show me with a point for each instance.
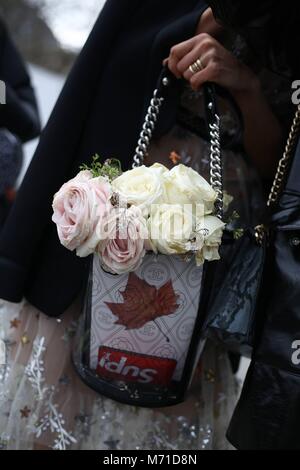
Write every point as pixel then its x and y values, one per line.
pixel 176 54
pixel 210 74
pixel 188 74
pixel 205 61
pixel 184 64
pixel 202 46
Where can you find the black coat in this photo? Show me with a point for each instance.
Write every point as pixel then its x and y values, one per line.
pixel 20 113
pixel 267 415
pixel 100 110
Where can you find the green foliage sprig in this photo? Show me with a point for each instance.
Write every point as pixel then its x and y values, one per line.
pixel 111 168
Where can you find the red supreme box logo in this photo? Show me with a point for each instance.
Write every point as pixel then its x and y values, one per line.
pixel 133 367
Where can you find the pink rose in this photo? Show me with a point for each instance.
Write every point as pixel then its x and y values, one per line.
pixel 123 247
pixel 78 207
pixel 83 176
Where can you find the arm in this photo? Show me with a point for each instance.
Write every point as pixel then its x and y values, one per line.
pixel 20 113
pixel 263 135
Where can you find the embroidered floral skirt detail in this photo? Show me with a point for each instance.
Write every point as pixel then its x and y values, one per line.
pixel 44 404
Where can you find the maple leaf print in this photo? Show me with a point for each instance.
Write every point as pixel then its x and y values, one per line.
pixel 143 303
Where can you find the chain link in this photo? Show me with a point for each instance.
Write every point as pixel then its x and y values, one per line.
pixel 216 170
pixel 216 167
pixel 147 131
pixel 285 161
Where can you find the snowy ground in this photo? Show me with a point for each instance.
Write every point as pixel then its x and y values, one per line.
pixel 245 363
pixel 48 86
pixel 71 20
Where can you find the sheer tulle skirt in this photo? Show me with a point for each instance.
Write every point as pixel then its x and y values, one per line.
pixel 44 404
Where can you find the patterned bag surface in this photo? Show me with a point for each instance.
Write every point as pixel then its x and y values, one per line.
pixel 138 329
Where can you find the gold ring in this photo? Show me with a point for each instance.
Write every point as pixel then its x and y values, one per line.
pixel 196 66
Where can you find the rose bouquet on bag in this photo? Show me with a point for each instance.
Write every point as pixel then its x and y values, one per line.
pixel 122 216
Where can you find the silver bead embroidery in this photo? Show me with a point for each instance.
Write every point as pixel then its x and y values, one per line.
pixel 35 369
pixel 54 422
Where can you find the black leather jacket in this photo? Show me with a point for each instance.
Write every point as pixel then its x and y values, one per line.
pixel 267 414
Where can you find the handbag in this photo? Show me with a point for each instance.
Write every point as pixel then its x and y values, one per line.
pixel 267 415
pixel 237 280
pixel 139 336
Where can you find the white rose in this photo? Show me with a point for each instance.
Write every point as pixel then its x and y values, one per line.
pixel 140 187
pixel 172 230
pixel 183 185
pixel 159 169
pixel 212 229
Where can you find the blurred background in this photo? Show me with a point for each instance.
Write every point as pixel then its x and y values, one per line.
pixel 49 34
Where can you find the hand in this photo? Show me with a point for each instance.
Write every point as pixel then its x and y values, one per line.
pixel 263 135
pixel 219 65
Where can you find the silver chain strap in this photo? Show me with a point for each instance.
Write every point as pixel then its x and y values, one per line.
pixel 216 167
pixel 216 170
pixel 147 131
pixel 284 163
